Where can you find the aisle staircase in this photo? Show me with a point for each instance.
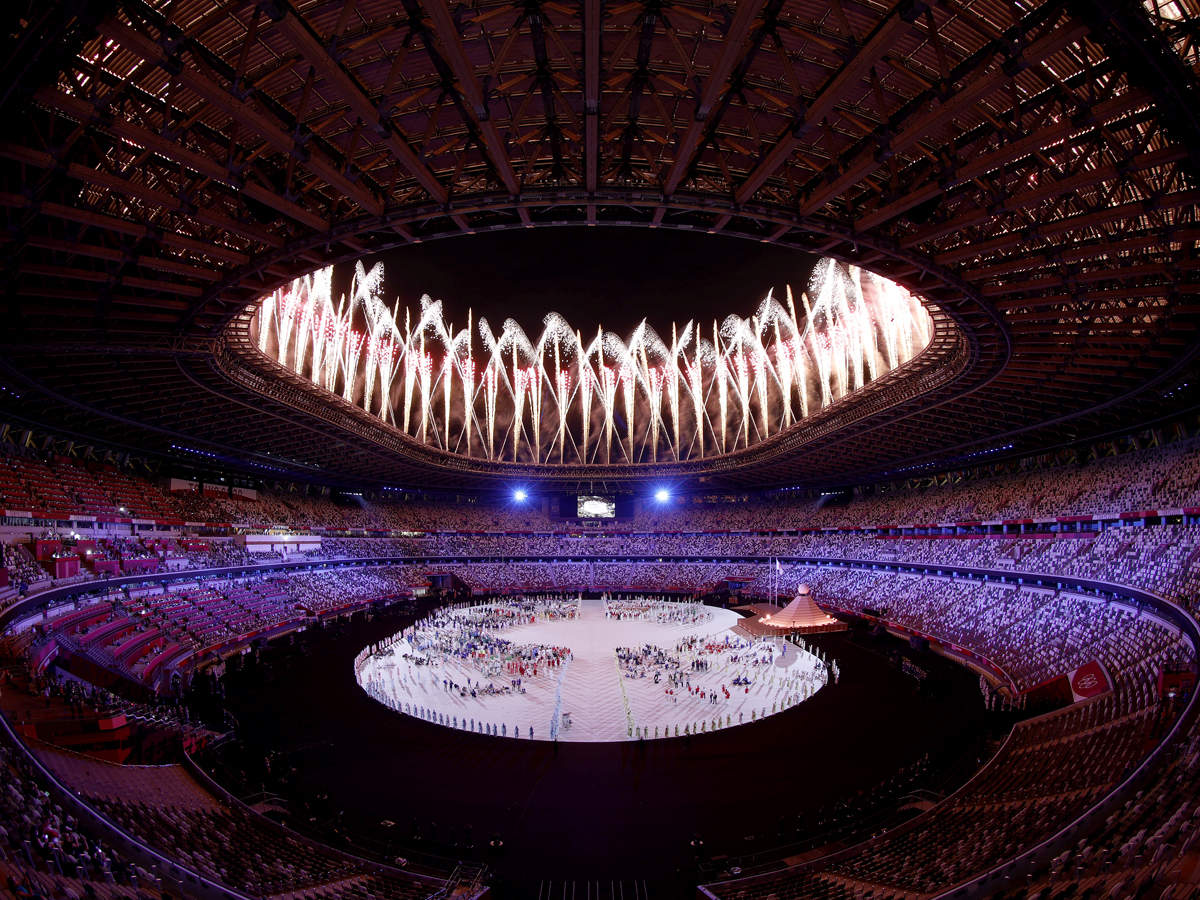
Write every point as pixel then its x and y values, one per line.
pixel 468 881
pixel 593 890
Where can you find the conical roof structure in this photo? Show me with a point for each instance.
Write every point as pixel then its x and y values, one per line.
pixel 802 614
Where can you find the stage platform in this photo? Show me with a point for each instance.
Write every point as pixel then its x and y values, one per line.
pixel 709 677
pixel 750 625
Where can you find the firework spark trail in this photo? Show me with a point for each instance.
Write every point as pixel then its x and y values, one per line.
pixel 742 371
pixel 521 390
pixel 722 388
pixel 695 386
pixel 410 383
pixel 587 385
pixel 491 389
pixel 320 339
pixel 628 387
pixel 563 389
pixel 287 322
pixel 387 378
pixel 424 379
pixel 468 377
pixel 757 377
pixel 534 382
pixel 370 371
pixel 304 327
pixel 674 374
pixel 266 313
pixel 352 350
pixel 785 365
pixel 654 378
pixel 609 379
pixel 327 333
pixel 447 382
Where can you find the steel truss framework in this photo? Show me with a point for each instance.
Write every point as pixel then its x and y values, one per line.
pixel 1030 169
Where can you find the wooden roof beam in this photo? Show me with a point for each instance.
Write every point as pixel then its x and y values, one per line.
pixel 1026 199
pixel 87 311
pixel 97 276
pixel 1063 306
pixel 835 89
pixel 592 25
pixel 301 35
pixel 173 203
pixel 731 51
pixel 468 85
pixel 925 126
pixel 93 114
pixel 242 113
pixel 122 226
pixel 116 254
pixel 1018 240
pixel 1036 284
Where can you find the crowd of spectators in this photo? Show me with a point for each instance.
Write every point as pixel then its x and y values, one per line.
pixel 317 593
pixel 23 570
pixel 1149 479
pixel 165 808
pixel 1033 634
pixel 146 632
pixel 1050 769
pixel 1159 558
pixel 44 852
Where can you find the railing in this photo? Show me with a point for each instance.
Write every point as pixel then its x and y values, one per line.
pixel 373 866
pixel 188 881
pixel 997 877
pixel 466 882
pixel 1004 874
pixel 1135 598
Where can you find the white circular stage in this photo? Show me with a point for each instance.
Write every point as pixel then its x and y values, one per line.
pixel 547 668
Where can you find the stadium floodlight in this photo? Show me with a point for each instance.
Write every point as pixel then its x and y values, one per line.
pixel 662 495
pixel 520 495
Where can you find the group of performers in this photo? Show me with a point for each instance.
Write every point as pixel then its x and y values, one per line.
pixel 651 609
pixel 471 655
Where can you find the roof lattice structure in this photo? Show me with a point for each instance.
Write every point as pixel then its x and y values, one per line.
pixel 1029 168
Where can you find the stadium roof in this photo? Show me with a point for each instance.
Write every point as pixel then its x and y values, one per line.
pixel 1029 168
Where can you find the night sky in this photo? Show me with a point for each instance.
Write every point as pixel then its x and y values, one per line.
pixel 592 276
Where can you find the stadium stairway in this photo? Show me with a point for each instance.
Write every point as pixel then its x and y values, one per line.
pixel 593 890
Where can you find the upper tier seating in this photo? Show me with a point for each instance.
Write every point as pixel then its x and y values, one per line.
pixel 1158 478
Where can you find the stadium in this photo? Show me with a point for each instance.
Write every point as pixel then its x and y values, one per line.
pixel 717 449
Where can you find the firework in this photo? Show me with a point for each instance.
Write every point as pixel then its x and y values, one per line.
pixel 612 400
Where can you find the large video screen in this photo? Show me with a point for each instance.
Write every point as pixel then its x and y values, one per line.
pixel 589 506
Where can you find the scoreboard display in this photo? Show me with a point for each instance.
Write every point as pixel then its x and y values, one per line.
pixel 591 506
